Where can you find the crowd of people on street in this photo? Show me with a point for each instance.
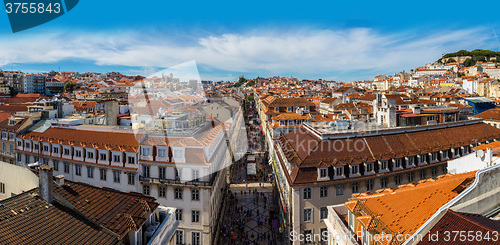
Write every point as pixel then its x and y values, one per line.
pixel 249 220
pixel 247 217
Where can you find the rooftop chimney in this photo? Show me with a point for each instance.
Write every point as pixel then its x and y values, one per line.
pixel 46 184
pixel 60 180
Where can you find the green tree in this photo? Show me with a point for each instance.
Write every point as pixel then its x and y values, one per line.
pixel 68 87
pixel 251 83
pixel 469 62
pixel 451 60
pixel 479 58
pixel 13 91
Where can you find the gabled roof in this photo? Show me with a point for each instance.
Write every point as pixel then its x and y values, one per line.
pixel 6 126
pixel 455 221
pixel 329 100
pixel 118 211
pixel 368 97
pixel 272 101
pixel 28 219
pixel 491 114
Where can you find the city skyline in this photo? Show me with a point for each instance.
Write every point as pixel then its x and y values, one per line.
pixel 244 40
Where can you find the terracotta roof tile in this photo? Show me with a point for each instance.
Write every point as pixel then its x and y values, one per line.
pixel 27 219
pixel 404 210
pixel 491 114
pixel 86 138
pixel 455 221
pixel 118 211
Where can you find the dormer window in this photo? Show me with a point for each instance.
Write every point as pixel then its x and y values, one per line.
pixel 90 155
pixel 131 160
pixel 369 167
pixel 384 165
pixel 78 153
pixel 161 152
pixel 444 154
pixel 465 149
pixel 398 163
pixel 410 160
pixel 433 156
pixel 339 171
pixel 145 151
pixel 102 156
pixel 276 109
pixel 290 108
pixel 323 173
pixel 354 169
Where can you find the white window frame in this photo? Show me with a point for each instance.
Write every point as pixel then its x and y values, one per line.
pixel 323 191
pixel 195 213
pixel 307 193
pixel 308 214
pixel 323 173
pixel 195 195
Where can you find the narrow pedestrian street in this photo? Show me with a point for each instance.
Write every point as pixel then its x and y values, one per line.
pixel 249 215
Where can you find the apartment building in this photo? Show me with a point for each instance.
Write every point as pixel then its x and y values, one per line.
pixel 269 107
pixel 88 155
pixel 13 79
pixel 184 170
pixel 9 129
pixel 315 168
pixel 33 84
pixel 187 170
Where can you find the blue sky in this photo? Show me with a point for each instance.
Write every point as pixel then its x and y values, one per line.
pixel 345 41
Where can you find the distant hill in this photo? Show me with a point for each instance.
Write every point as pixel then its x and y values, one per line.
pixel 469 58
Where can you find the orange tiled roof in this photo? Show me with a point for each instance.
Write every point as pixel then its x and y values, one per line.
pixel 455 221
pixel 492 114
pixel 404 210
pixel 86 138
pixel 291 116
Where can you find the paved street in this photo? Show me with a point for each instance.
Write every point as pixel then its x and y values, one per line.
pixel 250 203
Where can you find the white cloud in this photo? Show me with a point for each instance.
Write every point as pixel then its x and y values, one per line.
pixel 306 51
